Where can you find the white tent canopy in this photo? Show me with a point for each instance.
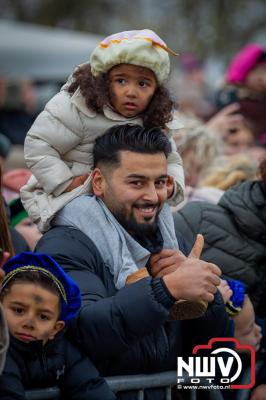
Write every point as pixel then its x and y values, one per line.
pixel 42 53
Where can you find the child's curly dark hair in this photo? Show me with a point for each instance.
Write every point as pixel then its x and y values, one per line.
pixel 96 93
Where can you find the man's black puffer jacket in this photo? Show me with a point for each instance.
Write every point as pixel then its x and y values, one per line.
pixel 235 235
pixel 126 331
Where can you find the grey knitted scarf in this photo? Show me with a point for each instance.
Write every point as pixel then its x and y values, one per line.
pixel 121 253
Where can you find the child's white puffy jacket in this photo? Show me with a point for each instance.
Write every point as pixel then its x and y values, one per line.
pixel 59 147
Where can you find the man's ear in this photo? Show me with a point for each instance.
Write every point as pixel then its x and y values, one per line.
pixel 59 326
pixel 98 182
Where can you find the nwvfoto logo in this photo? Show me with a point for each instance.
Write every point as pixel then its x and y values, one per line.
pixel 223 362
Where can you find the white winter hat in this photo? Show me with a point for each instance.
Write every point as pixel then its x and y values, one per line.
pixel 143 48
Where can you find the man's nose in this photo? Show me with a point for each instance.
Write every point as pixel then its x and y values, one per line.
pixel 150 194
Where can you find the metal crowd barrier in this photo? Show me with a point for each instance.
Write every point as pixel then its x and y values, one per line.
pixel 140 383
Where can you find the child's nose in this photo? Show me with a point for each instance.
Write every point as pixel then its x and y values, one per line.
pixel 29 323
pixel 131 91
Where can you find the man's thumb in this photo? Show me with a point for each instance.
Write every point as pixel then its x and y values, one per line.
pixel 198 247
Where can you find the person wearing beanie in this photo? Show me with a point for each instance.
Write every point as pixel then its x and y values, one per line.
pixel 245 84
pixel 124 82
pixel 248 68
pixel 22 223
pixel 40 300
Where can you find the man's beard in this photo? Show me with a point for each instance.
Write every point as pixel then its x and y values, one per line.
pixel 132 226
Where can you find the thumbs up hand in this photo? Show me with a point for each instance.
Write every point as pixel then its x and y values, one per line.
pixel 168 260
pixel 192 279
pixel 198 247
pixel 165 262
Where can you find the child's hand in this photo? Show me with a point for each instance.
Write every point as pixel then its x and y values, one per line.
pixel 259 393
pixel 170 186
pixel 225 290
pixel 76 182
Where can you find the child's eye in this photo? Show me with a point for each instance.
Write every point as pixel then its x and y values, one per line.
pixel 44 317
pixel 18 310
pixel 122 81
pixel 143 83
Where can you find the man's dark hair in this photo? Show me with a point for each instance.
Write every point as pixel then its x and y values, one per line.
pixel 129 137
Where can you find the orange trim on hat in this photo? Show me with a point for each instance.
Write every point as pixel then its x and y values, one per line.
pixel 155 44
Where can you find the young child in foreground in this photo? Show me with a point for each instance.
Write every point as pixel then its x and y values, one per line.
pixel 122 83
pixel 39 299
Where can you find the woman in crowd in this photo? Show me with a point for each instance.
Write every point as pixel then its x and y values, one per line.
pixel 246 85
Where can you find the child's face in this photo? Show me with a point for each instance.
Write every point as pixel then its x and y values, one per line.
pixel 246 330
pixel 32 312
pixel 131 89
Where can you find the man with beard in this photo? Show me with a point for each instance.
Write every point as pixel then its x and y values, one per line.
pixel 100 240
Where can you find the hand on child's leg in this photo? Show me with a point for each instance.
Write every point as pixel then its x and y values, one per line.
pixel 76 182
